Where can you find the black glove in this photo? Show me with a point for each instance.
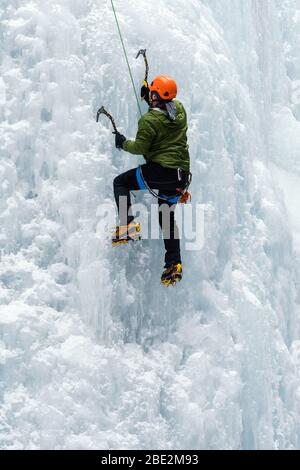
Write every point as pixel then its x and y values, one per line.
pixel 145 92
pixel 120 139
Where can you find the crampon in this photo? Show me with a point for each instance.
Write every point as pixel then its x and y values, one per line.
pixel 126 233
pixel 172 275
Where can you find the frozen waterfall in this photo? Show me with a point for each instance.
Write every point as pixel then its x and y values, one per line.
pixel 94 353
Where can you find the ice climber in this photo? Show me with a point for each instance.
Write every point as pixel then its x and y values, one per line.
pixel 162 140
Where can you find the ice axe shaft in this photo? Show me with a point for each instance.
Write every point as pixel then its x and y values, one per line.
pixel 102 110
pixel 143 53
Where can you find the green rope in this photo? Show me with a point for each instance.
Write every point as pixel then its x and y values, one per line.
pixel 129 69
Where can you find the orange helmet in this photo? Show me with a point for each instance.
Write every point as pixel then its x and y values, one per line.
pixel 165 86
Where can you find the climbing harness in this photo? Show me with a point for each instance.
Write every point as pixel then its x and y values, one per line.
pixel 182 196
pixel 126 57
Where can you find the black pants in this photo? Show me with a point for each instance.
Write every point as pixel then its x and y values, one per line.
pixel 166 181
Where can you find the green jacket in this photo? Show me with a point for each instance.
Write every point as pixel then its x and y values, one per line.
pixel 161 140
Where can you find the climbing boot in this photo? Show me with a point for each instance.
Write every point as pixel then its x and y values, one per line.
pixel 126 233
pixel 172 275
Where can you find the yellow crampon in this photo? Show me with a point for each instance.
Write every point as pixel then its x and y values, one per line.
pixel 126 233
pixel 172 275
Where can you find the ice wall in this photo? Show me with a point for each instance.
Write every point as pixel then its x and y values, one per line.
pixel 94 352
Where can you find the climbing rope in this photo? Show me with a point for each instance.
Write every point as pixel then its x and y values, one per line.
pixel 125 54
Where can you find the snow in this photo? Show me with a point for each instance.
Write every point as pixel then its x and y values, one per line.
pixel 94 353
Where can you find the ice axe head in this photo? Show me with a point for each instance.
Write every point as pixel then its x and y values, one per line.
pixel 141 52
pixel 100 111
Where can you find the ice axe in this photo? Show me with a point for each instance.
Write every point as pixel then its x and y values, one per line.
pixel 102 110
pixel 143 53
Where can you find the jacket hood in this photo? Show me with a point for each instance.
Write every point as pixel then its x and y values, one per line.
pixel 180 120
